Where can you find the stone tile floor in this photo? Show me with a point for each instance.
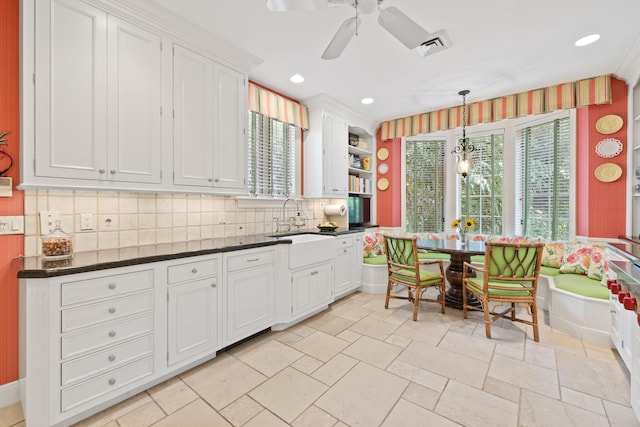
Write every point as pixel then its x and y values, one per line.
pixel 358 364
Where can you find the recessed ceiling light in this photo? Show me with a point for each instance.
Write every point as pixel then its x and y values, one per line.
pixel 367 101
pixel 296 78
pixel 586 40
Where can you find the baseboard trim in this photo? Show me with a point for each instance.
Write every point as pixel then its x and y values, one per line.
pixel 9 394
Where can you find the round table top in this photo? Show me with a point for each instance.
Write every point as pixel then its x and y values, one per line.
pixel 452 246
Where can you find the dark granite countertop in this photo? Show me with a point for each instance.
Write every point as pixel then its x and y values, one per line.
pixel 82 262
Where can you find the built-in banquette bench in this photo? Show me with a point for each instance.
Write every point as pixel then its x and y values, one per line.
pixel 572 284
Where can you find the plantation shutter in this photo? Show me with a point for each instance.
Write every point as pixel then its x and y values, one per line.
pixel 425 186
pixel 482 189
pixel 544 180
pixel 271 157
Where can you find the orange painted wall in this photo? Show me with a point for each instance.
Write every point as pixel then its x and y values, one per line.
pixel 601 206
pixel 389 202
pixel 12 245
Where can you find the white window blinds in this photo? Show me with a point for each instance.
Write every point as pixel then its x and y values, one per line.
pixel 271 157
pixel 544 179
pixel 482 190
pixel 424 201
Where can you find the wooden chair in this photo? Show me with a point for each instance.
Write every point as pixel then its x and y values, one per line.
pixel 510 277
pixel 404 270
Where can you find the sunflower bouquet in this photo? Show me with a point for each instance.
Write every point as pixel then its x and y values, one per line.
pixel 463 226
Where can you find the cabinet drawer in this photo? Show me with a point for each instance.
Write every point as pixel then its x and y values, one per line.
pixel 107 286
pixel 192 271
pixel 92 314
pixel 107 359
pixel 254 259
pixel 344 241
pixel 107 334
pixel 105 383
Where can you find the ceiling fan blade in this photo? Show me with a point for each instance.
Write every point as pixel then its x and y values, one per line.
pixel 341 39
pixel 290 5
pixel 402 27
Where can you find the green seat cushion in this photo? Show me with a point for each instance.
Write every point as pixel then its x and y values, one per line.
pixel 433 256
pixel 549 271
pixel 477 284
pixel 426 277
pixel 581 285
pixel 375 260
pixel 479 259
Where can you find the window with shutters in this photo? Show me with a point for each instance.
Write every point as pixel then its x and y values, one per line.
pixel 425 177
pixel 482 189
pixel 544 170
pixel 271 157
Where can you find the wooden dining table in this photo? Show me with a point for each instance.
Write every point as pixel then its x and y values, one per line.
pixel 460 252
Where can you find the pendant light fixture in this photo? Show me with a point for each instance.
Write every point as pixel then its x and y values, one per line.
pixel 464 148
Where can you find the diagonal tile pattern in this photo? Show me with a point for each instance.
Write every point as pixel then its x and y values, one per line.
pixel 358 364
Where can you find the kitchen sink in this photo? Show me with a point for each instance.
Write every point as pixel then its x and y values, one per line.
pixel 308 249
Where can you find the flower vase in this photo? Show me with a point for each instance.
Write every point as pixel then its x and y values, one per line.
pixel 463 238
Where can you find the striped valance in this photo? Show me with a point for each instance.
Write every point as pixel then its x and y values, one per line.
pixel 596 90
pixel 271 104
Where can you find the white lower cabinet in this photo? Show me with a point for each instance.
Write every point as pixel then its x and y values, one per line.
pixel 249 293
pixel 635 366
pixel 311 288
pixel 348 266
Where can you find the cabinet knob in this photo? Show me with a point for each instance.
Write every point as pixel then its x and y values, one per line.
pixel 101 170
pixel 210 180
pixel 194 270
pixel 344 251
pixel 214 285
pixel 112 285
pixel 112 310
pixel 217 180
pixel 112 171
pixel 112 334
pixel 313 273
pixel 112 357
pixel 112 381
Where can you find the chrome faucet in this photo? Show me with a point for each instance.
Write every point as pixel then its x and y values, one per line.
pixel 283 221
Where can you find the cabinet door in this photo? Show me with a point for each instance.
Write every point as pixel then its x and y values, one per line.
pixel 344 269
pixel 134 103
pixel 250 302
pixel 335 158
pixel 70 90
pixel 193 327
pixel 311 288
pixel 230 121
pixel 193 118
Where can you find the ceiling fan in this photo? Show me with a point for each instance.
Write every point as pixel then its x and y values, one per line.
pixel 403 28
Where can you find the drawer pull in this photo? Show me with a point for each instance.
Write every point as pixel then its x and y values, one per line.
pixel 313 273
pixel 112 334
pixel 253 260
pixel 112 310
pixel 194 270
pixel 112 285
pixel 112 381
pixel 112 357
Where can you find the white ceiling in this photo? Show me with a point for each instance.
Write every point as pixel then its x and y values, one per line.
pixel 498 47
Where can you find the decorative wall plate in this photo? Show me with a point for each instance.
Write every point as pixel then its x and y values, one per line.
pixel 383 184
pixel 383 154
pixel 609 124
pixel 609 147
pixel 383 168
pixel 608 172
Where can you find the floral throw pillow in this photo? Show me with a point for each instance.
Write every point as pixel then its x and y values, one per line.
pixel 552 254
pixel 576 259
pixel 373 244
pixel 599 264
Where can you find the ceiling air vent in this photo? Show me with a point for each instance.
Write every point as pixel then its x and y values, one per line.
pixel 435 43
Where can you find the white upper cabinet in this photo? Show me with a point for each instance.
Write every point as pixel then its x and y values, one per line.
pixel 97 95
pixel 210 147
pixel 193 118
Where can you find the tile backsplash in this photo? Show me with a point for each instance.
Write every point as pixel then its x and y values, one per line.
pixel 123 219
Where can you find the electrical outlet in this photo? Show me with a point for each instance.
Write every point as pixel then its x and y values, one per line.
pixel 86 222
pixel 48 221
